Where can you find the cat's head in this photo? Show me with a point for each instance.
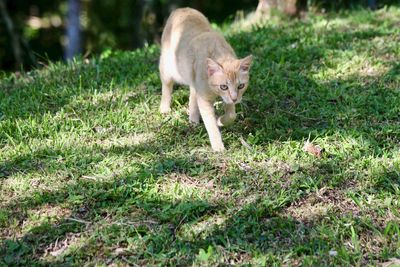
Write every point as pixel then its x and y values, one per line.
pixel 230 78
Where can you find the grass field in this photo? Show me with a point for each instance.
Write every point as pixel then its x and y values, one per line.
pixel 92 174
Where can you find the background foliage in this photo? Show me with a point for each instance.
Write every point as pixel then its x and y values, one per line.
pixel 112 24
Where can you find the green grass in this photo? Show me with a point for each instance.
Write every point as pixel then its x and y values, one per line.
pixel 92 174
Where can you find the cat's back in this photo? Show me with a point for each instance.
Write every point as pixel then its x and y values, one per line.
pixel 188 15
pixel 184 24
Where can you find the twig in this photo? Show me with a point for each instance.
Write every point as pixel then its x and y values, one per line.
pixel 300 116
pixel 91 177
pixel 179 224
pixel 78 220
pixel 128 261
pixel 245 144
pixel 135 224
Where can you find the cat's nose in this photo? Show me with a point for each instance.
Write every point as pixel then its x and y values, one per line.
pixel 233 95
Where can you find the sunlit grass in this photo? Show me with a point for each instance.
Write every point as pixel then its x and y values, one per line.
pixel 92 174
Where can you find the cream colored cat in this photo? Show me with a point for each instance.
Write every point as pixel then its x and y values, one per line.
pixel 194 54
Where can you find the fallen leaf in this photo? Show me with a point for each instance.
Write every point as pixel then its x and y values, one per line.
pixel 333 253
pixel 120 251
pixel 244 166
pixel 210 184
pixel 58 252
pixel 312 149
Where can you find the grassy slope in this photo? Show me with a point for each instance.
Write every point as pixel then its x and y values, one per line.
pixel 91 173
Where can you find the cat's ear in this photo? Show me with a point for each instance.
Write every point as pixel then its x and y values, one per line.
pixel 213 67
pixel 245 64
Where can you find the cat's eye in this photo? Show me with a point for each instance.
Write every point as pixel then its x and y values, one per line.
pixel 241 86
pixel 223 87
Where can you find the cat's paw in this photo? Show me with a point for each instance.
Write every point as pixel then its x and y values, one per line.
pixel 219 122
pixel 165 109
pixel 194 119
pixel 226 120
pixel 218 148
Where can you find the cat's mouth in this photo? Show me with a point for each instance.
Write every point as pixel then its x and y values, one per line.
pixel 229 100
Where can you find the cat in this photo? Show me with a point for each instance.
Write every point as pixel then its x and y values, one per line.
pixel 194 54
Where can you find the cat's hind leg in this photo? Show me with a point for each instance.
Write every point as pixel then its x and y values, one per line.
pixel 167 86
pixel 194 113
pixel 166 97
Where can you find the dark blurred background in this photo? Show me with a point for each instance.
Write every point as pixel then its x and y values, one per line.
pixel 34 32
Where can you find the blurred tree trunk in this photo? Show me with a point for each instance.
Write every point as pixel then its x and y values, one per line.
pixel 288 7
pixel 372 4
pixel 137 24
pixel 73 46
pixel 15 44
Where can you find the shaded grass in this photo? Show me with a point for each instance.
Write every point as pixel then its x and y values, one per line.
pixel 90 173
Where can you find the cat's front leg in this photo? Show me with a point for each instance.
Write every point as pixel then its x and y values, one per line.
pixel 229 116
pixel 194 113
pixel 208 115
